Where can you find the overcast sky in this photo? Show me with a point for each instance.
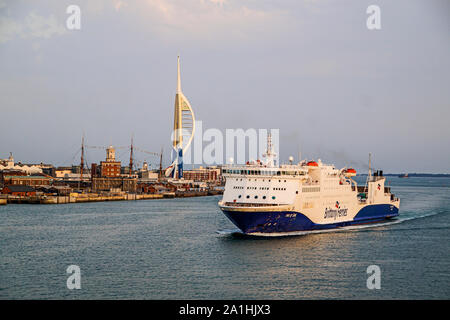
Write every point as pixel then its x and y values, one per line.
pixel 335 89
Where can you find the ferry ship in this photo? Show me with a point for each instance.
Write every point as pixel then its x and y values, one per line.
pixel 265 199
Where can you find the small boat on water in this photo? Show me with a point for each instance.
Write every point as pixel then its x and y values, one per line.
pixel 403 175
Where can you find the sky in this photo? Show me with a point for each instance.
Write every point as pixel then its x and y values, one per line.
pixel 310 68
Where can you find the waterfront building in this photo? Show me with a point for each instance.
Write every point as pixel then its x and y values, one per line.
pixel 110 168
pixel 156 187
pixel 148 176
pixel 21 191
pixel 9 164
pixel 77 176
pixel 62 190
pixel 24 180
pixel 71 173
pixel 119 183
pixel 61 172
pixel 208 174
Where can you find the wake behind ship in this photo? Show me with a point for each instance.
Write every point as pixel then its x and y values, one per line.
pixel 263 199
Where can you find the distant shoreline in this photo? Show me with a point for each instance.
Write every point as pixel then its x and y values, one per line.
pixel 415 175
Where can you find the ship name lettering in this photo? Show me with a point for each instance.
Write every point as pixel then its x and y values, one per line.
pixel 335 213
pixel 291 215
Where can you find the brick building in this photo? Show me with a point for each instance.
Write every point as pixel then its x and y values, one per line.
pixel 16 190
pixel 110 168
pixel 106 184
pixel 23 180
pixel 202 174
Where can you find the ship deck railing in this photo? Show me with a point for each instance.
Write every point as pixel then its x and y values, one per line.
pixel 263 171
pixel 387 190
pixel 308 184
pixel 242 204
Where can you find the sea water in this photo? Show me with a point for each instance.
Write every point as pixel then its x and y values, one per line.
pixel 187 249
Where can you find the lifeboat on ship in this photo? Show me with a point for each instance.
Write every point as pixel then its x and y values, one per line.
pixel 312 164
pixel 349 172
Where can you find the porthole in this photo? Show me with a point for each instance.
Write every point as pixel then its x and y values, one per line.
pixel 273 197
pixel 264 197
pixel 256 197
pixel 240 196
pixel 248 197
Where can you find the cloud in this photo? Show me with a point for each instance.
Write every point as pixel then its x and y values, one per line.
pixel 219 2
pixel 210 18
pixel 170 20
pixel 9 29
pixel 32 26
pixel 119 4
pixel 42 27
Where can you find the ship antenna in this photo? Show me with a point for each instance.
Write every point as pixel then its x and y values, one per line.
pixel 269 151
pixel 369 176
pixel 299 153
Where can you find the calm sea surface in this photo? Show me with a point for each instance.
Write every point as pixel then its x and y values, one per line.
pixel 170 249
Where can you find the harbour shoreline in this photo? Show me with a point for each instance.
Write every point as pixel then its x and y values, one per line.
pixel 94 197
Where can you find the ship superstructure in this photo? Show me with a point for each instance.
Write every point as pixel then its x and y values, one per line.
pixel 264 199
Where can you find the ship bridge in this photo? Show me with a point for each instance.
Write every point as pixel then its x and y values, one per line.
pixel 255 170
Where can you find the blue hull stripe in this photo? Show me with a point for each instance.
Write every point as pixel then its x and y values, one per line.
pixel 285 221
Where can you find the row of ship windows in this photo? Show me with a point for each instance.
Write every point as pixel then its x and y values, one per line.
pixel 265 172
pixel 257 180
pixel 260 188
pixel 264 197
pixel 256 197
pixel 306 189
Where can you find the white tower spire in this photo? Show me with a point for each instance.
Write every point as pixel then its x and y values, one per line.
pixel 179 77
pixel 183 127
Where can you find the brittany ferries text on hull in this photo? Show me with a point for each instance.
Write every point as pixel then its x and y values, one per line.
pixel 263 199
